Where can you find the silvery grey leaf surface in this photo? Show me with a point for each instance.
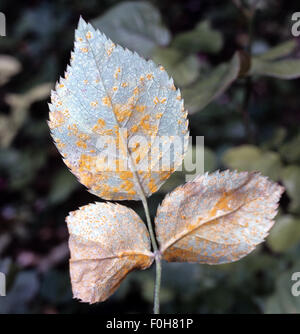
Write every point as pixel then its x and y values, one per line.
pixel 216 218
pixel 109 115
pixel 104 248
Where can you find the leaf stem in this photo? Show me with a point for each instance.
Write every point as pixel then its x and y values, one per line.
pixel 157 255
pixel 157 282
pixel 149 224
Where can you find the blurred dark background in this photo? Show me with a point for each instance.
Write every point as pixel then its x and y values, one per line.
pixel 247 107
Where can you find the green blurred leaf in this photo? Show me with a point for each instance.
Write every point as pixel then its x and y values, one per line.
pixel 282 69
pixel 9 66
pixel 252 158
pixel 203 38
pixel 211 86
pixel 290 151
pixel 280 50
pixel 210 160
pixel 63 185
pixel 183 68
pixel 135 25
pixel 147 288
pixel 24 288
pixel 20 167
pixel 175 180
pixel 283 301
pixel 55 287
pixel 285 233
pixel 20 104
pixel 291 181
pixel 276 139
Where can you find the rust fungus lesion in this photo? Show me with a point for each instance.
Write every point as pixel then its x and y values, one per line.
pixel 150 76
pixel 99 126
pixel 122 112
pixel 56 119
pixel 94 104
pixel 156 100
pixel 81 144
pixel 110 50
pixel 117 72
pixel 106 101
pixel 140 108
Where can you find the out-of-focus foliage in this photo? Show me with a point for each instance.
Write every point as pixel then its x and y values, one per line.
pixel 196 42
pixel 135 25
pixel 211 85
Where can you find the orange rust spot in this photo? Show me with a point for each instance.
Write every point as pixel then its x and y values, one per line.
pixel 56 119
pixel 137 160
pixel 81 143
pixel 124 84
pixel 166 175
pixel 150 76
pixel 116 75
pixel 124 175
pixel 156 100
pixel 146 126
pixel 88 35
pixel 122 112
pixel 83 136
pixel 222 204
pixel 135 147
pixel 128 186
pixel 111 49
pixel 140 108
pixel 66 113
pixel 134 128
pixel 86 162
pixel 84 50
pixel 105 190
pixel 145 122
pixel 87 179
pixel 99 126
pixel 94 103
pixel 106 101
pixel 73 129
pixel 152 186
pixel 60 145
